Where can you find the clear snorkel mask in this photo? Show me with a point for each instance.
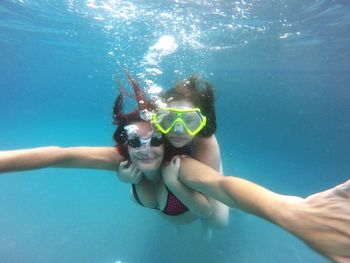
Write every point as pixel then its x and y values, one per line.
pixel 144 144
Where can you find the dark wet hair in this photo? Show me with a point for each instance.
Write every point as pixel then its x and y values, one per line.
pixel 201 94
pixel 123 119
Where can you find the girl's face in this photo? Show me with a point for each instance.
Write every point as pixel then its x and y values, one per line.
pixel 147 154
pixel 178 136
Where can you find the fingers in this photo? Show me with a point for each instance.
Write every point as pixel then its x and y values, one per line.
pixel 122 164
pixel 346 186
pixel 176 159
pixel 133 168
pixel 168 163
pixel 127 165
pixel 343 189
pixel 177 162
pixel 129 173
pixel 136 174
pixel 173 166
pixel 138 177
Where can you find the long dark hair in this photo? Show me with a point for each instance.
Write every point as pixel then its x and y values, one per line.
pixel 201 94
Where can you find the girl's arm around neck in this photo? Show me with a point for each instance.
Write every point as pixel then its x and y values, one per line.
pixel 196 202
pixel 104 158
pixel 232 191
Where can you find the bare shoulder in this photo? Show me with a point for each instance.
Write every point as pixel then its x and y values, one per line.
pixel 206 143
pixel 207 151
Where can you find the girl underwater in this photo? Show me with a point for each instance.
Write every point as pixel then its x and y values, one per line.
pixel 191 123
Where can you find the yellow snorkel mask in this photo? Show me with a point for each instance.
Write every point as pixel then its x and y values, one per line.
pixel 191 119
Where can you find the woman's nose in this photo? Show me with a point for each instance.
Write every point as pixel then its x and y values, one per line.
pixel 144 148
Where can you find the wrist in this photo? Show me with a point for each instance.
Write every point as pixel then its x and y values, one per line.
pixel 170 180
pixel 290 213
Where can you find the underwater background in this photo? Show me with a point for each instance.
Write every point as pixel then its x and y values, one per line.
pixel 281 71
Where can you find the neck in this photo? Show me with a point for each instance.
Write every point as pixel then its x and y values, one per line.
pixel 153 176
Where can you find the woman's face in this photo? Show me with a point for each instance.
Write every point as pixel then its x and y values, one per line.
pixel 178 136
pixel 146 157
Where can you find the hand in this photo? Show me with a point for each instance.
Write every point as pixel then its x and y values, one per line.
pixel 170 171
pixel 323 222
pixel 129 173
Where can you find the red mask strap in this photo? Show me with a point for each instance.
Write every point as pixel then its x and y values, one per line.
pixel 140 98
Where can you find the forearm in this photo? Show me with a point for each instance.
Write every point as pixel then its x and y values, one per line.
pixel 72 157
pixel 255 199
pixel 233 191
pixel 27 159
pixel 103 158
pixel 196 202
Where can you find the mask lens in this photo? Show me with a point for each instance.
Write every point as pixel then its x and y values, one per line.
pixel 134 142
pixel 156 141
pixel 166 119
pixel 192 120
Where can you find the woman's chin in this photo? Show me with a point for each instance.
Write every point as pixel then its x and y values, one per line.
pixel 148 165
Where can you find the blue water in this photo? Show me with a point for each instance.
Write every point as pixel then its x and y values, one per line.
pixel 282 73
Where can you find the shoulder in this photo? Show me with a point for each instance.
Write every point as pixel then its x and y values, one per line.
pixel 207 151
pixel 206 143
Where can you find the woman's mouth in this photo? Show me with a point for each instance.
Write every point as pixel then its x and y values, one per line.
pixel 145 159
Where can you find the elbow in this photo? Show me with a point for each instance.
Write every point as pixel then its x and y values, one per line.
pixel 207 212
pixel 204 211
pixel 53 149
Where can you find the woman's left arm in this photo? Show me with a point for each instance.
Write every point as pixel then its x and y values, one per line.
pixel 196 202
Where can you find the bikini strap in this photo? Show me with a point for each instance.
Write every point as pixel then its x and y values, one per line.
pixel 135 194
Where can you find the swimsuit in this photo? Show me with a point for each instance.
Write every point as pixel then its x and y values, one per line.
pixel 173 205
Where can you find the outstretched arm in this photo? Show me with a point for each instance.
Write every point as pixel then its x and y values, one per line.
pixel 321 220
pixel 105 158
pixel 233 191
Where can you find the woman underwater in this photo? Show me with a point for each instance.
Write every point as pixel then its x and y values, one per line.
pixel 321 220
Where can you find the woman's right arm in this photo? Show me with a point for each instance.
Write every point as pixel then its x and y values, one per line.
pixel 321 220
pixel 104 158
